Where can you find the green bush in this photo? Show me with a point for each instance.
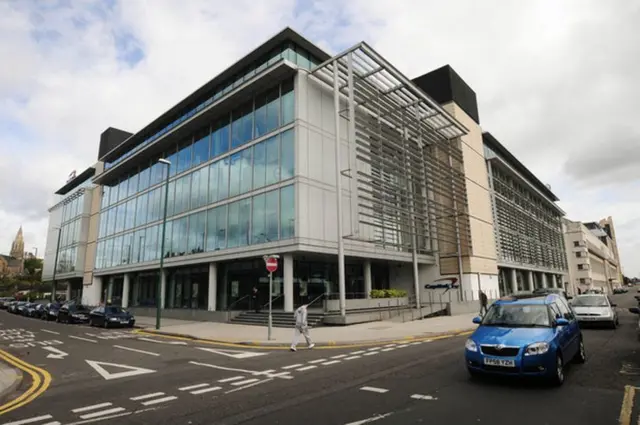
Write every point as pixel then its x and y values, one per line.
pixel 388 293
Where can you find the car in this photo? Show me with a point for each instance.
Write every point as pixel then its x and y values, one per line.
pixel 5 301
pixel 29 309
pixel 533 336
pixel 547 291
pixel 19 307
pixel 111 315
pixel 73 313
pixel 595 309
pixel 636 310
pixel 50 311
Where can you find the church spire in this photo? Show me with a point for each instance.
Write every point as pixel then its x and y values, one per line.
pixel 17 247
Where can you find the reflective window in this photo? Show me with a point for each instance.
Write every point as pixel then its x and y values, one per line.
pixel 220 138
pixel 242 125
pixel 141 214
pixel 246 170
pixel 127 248
pixel 151 243
pixel 120 216
pixel 201 147
pixel 239 223
pixel 168 239
pixel 144 179
pixel 287 155
pixel 288 103
pixel 153 207
pixel 122 189
pixel 258 222
pixel 117 251
pixel 133 185
pixel 179 239
pixel 234 174
pixel 184 157
pixel 105 196
pixel 272 221
pixel 158 173
pixel 217 228
pixel 130 211
pixel 199 181
pixel 171 198
pixel 172 157
pixel 287 212
pixel 272 172
pixel 113 194
pixel 183 194
pixel 260 116
pixel 197 229
pixel 273 109
pixel 259 165
pixel 137 254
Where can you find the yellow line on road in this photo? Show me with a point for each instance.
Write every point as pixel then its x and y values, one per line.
pixel 626 410
pixel 40 381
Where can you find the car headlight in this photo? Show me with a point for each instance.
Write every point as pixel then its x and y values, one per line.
pixel 536 349
pixel 75 315
pixel 471 345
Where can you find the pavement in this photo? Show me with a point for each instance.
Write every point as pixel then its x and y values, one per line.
pixel 126 377
pixel 364 333
pixel 10 379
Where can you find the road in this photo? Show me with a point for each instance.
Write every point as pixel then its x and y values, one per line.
pixel 130 378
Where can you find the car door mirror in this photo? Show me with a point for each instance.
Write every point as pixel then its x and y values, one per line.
pixel 561 322
pixel 477 320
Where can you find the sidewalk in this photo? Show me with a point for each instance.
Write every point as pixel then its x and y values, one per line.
pixel 364 333
pixel 10 378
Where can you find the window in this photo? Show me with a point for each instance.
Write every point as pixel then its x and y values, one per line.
pixel 117 251
pixel 127 248
pixel 259 165
pixel 197 227
pixel 287 212
pixel 234 174
pixel 153 207
pixel 199 188
pixel 258 222
pixel 288 103
pixel 120 216
pixel 565 310
pixel 272 172
pixel 137 254
pixel 273 109
pixel 144 179
pixel 179 239
pixel 580 266
pixel 576 243
pixel 130 212
pixel 272 219
pixel 184 157
pixel 246 170
pixel 216 228
pixel 239 223
pixel 133 185
pixel 555 311
pixel 151 243
pixel 141 214
pixel 287 155
pixel 201 147
pixel 172 157
pixel 260 120
pixel 242 126
pixel 582 280
pixel 168 239
pixel 578 254
pixel 122 190
pixel 220 138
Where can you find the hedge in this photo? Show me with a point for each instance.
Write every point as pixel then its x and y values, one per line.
pixel 388 293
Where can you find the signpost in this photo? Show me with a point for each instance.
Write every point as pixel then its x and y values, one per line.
pixel 271 263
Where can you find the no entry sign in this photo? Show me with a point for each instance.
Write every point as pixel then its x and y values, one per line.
pixel 272 264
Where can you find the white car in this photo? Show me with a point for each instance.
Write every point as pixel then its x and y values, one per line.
pixel 596 309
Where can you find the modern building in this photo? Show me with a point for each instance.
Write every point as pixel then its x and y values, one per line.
pixel 592 260
pixel 607 226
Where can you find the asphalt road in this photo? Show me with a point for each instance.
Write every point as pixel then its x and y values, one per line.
pixel 129 378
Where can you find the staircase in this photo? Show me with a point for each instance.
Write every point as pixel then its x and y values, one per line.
pixel 280 319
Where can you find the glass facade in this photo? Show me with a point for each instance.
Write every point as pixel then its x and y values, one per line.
pixel 220 193
pixel 288 51
pixel 70 233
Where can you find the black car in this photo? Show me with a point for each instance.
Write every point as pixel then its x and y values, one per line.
pixel 29 309
pixel 18 307
pixel 50 311
pixel 111 316
pixel 73 313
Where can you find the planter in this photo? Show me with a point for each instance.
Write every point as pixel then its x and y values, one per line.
pixel 366 303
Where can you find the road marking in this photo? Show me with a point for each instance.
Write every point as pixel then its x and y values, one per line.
pixel 250 385
pixel 131 370
pixel 353 357
pixel 371 419
pixel 193 387
pixel 136 350
pixel 245 382
pixel 627 405
pixel 371 353
pixel 56 354
pixel 51 332
pixel 83 339
pixel 92 407
pixel 416 343
pixel 102 413
pixel 233 378
pixel 341 356
pixel 403 345
pixel 374 390
pixel 390 345
pixel 283 375
pixel 331 362
pixel 163 342
pixel 374 348
pixel 118 415
pixel 30 420
pixel 292 366
pixel 146 396
pixel 317 361
pixel 357 352
pixel 236 354
pixel 206 390
pixel 159 400
pixel 629 369
pixel 53 423
pixel 233 369
pixel 302 369
pixel 40 381
pixel 423 397
pixel 388 349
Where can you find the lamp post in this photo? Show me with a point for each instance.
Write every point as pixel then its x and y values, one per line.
pixel 164 226
pixel 55 266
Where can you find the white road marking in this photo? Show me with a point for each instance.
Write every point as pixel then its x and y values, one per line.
pixel 206 390
pixel 250 385
pixel 53 423
pixel 340 356
pixel 163 342
pixel 30 420
pixel 388 349
pixel 236 354
pixel 317 361
pixel 136 350
pixel 51 332
pixel 373 349
pixel 371 353
pixel 245 382
pixel 55 353
pixel 102 413
pixel 302 369
pixel 193 387
pixel 146 396
pixel 331 362
pixel 93 407
pixel 371 419
pixel 357 352
pixel 416 343
pixel 353 357
pixel 233 369
pixel 118 415
pixel 283 375
pixel 159 400
pixel 423 397
pixel 390 345
pixel 403 345
pixel 292 366
pixel 234 378
pixel 375 390
pixel 83 339
pixel 130 370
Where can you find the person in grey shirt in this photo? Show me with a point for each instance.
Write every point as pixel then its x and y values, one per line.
pixel 302 328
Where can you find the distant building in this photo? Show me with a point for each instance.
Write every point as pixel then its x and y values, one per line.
pixel 13 263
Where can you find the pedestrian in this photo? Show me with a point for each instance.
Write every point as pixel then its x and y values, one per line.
pixel 483 303
pixel 301 328
pixel 255 299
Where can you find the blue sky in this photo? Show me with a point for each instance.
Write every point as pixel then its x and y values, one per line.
pixel 556 82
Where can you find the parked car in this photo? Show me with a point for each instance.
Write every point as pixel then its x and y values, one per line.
pixel 636 310
pixel 547 291
pixel 13 305
pixel 29 309
pixel 18 307
pixel 595 309
pixel 527 336
pixel 50 311
pixel 111 316
pixel 5 301
pixel 73 313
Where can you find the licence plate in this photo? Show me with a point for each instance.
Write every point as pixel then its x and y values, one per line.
pixel 499 362
pixel 124 321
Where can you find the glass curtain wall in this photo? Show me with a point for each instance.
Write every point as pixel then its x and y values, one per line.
pixel 70 233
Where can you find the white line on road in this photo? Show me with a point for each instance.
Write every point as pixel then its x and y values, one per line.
pixel 30 420
pixel 390 345
pixel 206 390
pixel 375 390
pixel 302 369
pixel 388 349
pixel 83 339
pixel 371 353
pixel 92 407
pixel 53 423
pixel 146 396
pixel 193 387
pixel 51 332
pixel 331 362
pixel 374 348
pixel 353 357
pixel 340 356
pixel 117 415
pixel 403 345
pixel 422 397
pixel 250 385
pixel 245 382
pixel 357 352
pixel 234 378
pixel 232 369
pixel 159 400
pixel 163 342
pixel 371 419
pixel 416 343
pixel 102 413
pixel 292 366
pixel 283 375
pixel 136 350
pixel 317 361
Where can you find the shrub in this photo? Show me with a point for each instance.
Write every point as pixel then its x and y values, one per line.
pixel 388 293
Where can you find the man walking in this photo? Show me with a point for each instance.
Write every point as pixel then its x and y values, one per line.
pixel 483 303
pixel 301 328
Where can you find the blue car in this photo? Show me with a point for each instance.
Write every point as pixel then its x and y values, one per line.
pixel 526 335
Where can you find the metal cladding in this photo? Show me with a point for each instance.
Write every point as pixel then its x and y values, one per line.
pixel 405 158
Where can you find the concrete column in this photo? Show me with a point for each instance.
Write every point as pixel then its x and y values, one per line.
pixel 552 279
pixel 163 287
pixel 544 280
pixel 172 293
pixel 213 287
pixel 559 281
pixel 514 281
pixel 287 271
pixel 91 293
pixel 532 285
pixel 135 292
pixel 126 284
pixel 68 291
pixel 109 289
pixel 368 285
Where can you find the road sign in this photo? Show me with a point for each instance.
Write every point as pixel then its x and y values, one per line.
pixel 272 264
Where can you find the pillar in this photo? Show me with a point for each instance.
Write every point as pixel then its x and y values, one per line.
pixel 109 290
pixel 91 294
pixel 532 285
pixel 368 286
pixel 287 271
pixel 163 287
pixel 552 279
pixel 544 280
pixel 136 292
pixel 559 281
pixel 126 284
pixel 213 287
pixel 172 294
pixel 68 291
pixel 514 281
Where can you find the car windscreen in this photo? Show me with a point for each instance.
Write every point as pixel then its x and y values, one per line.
pixel 517 315
pixel 590 301
pixel 113 310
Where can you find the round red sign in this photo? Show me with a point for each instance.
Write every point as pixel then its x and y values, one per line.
pixel 272 264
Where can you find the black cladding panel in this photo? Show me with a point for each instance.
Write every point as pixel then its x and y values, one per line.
pixel 110 138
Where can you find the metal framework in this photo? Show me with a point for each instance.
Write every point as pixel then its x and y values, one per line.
pixel 405 164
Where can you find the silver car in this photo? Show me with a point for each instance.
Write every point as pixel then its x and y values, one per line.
pixel 596 309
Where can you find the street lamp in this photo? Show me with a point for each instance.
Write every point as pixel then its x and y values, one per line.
pixel 164 226
pixel 55 266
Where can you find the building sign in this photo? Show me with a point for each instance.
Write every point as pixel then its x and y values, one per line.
pixel 72 176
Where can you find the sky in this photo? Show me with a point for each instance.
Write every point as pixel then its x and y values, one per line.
pixel 557 83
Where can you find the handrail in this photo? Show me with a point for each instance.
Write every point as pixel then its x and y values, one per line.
pixel 316 299
pixel 232 304
pixel 272 300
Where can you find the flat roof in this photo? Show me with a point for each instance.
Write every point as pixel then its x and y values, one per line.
pixel 76 181
pixel 201 94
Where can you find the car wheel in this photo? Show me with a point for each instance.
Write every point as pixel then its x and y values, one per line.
pixel 558 375
pixel 91 322
pixel 106 324
pixel 614 324
pixel 473 374
pixel 581 355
